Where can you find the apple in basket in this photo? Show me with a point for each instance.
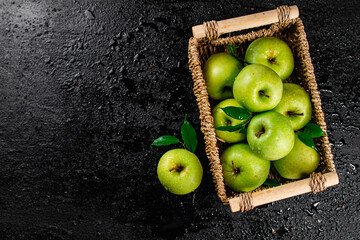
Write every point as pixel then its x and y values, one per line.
pixel 243 170
pixel 273 53
pixel 219 72
pixel 221 120
pixel 258 88
pixel 295 104
pixel 270 135
pixel 299 163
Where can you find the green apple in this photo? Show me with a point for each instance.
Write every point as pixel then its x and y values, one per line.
pixel 219 72
pixel 295 104
pixel 299 163
pixel 258 88
pixel 222 119
pixel 270 135
pixel 243 170
pixel 271 52
pixel 179 171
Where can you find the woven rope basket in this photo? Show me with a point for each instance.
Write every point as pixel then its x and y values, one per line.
pixel 292 32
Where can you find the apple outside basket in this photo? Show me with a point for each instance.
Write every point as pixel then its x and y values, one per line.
pixel 285 24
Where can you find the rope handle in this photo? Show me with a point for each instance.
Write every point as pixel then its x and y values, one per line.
pixel 213 29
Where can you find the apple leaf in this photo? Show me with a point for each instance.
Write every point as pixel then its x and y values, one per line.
pixel 271 182
pixel 188 135
pixel 237 112
pixel 232 128
pixel 307 140
pixel 313 130
pixel 232 51
pixel 243 130
pixel 165 140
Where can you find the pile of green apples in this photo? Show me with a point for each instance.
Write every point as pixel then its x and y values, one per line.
pixel 262 118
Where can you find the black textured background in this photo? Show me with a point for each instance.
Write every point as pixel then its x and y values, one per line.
pixel 86 86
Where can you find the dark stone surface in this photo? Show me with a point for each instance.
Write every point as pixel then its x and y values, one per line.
pixel 86 86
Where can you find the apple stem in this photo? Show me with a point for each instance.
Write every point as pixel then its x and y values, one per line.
pixel 237 170
pixel 248 120
pixel 184 146
pixel 263 94
pixel 177 168
pixel 272 61
pixel 259 133
pixel 289 113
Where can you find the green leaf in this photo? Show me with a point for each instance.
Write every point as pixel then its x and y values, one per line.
pixel 232 51
pixel 231 128
pixel 188 135
pixel 313 130
pixel 237 112
pixel 243 130
pixel 271 183
pixel 165 140
pixel 307 140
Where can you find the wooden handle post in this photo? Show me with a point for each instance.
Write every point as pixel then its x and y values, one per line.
pixel 246 22
pixel 283 191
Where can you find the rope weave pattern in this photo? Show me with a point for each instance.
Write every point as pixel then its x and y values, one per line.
pixel 246 202
pixel 207 121
pixel 317 182
pixel 211 29
pixel 294 35
pixel 283 13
